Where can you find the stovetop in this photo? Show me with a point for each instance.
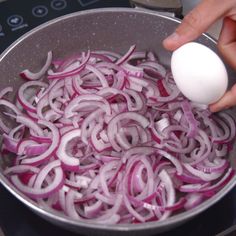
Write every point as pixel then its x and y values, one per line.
pixel 18 17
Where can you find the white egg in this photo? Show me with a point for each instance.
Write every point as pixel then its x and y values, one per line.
pixel 199 73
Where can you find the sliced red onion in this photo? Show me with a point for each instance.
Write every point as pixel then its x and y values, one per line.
pixel 30 124
pixel 109 139
pixel 80 182
pixel 192 188
pixel 231 126
pixel 127 56
pixel 201 174
pixel 66 73
pixel 69 161
pixel 112 128
pixel 92 210
pixel 224 180
pixel 166 179
pixel 23 144
pixel 193 199
pixel 4 128
pixel 98 74
pixel 10 106
pixel 97 143
pixel 38 191
pixel 4 91
pixel 21 169
pixel 47 154
pixel 10 143
pixel 173 159
pixel 193 123
pixel 26 74
pixel 24 96
pixel 70 209
pixel 132 211
pixel 36 149
pixel 72 106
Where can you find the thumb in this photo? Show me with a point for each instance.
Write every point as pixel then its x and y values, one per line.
pixel 196 22
pixel 227 101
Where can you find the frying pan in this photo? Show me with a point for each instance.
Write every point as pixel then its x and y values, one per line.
pixel 112 29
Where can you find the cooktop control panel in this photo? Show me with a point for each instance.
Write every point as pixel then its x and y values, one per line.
pixel 18 17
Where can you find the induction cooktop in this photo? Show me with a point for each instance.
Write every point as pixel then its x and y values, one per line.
pixel 18 17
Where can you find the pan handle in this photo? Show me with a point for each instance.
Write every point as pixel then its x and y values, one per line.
pixel 167 7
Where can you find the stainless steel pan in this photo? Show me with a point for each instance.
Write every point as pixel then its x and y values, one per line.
pixel 110 29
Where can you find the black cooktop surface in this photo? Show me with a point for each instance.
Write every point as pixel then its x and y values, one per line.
pixel 18 17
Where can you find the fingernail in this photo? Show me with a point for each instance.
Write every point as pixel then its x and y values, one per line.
pixel 173 37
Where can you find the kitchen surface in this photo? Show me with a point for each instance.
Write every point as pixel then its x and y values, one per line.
pixel 18 17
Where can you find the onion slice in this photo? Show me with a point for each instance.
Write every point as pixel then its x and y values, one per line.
pixel 26 74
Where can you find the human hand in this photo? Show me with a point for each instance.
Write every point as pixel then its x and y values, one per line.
pixel 197 22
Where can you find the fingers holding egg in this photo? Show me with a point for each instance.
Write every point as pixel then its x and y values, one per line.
pixel 199 73
pixel 227 101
